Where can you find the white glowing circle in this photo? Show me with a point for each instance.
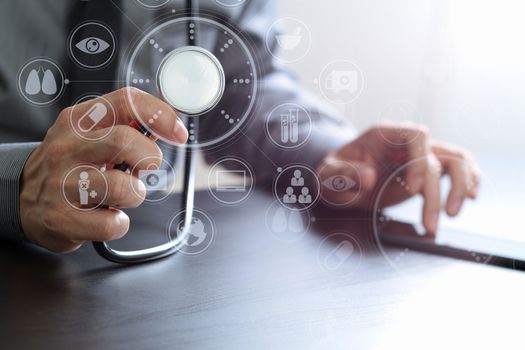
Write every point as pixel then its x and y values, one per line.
pixel 191 80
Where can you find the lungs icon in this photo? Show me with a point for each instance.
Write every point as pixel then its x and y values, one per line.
pixel 49 84
pixel 32 83
pixel 34 86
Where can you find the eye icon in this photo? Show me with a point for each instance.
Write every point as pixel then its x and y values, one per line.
pixel 339 183
pixel 92 46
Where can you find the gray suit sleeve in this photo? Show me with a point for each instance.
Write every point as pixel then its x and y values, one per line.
pixel 12 160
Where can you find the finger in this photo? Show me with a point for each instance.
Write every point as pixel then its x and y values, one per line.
pixel 413 139
pixel 474 178
pixel 474 184
pixel 114 188
pixel 431 195
pixel 124 144
pixel 128 105
pixel 98 225
pixel 446 153
pixel 78 227
pixel 459 178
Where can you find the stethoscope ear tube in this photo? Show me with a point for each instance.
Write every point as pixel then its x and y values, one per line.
pixel 188 199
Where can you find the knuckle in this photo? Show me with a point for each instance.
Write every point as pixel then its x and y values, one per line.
pixel 157 152
pixel 63 116
pixel 109 230
pixel 117 186
pixel 120 137
pixel 50 221
pixel 128 96
pixel 423 130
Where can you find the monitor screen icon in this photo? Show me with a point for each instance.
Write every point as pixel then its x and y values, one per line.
pixel 230 180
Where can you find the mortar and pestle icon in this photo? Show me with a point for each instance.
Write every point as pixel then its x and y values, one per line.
pixel 290 41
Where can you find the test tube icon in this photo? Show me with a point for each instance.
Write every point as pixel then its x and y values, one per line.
pixel 290 126
pixel 92 117
pixel 294 125
pixel 337 256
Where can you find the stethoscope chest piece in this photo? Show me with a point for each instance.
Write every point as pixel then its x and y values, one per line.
pixel 191 79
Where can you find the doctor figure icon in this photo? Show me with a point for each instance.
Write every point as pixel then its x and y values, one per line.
pixel 297 179
pixel 305 197
pixel 83 189
pixel 289 197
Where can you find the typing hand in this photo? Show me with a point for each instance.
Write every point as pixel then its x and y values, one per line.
pixel 374 155
pixel 49 199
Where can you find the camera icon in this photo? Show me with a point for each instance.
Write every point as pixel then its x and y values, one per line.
pixel 155 180
pixel 342 81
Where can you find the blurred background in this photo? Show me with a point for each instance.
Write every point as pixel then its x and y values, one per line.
pixel 456 65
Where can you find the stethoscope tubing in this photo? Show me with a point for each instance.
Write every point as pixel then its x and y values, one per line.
pixel 188 201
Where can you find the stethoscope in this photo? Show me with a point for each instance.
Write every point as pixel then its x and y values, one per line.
pixel 198 88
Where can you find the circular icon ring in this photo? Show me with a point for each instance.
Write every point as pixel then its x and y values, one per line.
pixel 292 45
pixel 384 222
pixel 244 77
pixel 339 254
pixel 158 180
pixel 199 236
pixel 230 3
pixel 341 82
pixel 297 182
pixel 288 119
pixel 156 4
pixel 94 50
pixel 41 81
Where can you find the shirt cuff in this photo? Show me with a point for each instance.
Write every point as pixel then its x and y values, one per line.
pixel 12 161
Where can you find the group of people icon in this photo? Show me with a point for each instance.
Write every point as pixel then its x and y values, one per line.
pixel 297 181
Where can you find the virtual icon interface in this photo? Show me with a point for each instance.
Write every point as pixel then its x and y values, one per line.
pixel 92 117
pixel 224 183
pixel 197 235
pixel 154 179
pixel 297 187
pixel 288 126
pixel 41 81
pixel 340 254
pixel 230 181
pixel 341 81
pixel 84 188
pixel 92 45
pixel 339 183
pixel 287 225
pixel 288 39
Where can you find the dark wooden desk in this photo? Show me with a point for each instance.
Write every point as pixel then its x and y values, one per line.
pixel 251 290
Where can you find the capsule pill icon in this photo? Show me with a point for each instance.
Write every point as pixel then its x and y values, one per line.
pixel 339 255
pixel 92 117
